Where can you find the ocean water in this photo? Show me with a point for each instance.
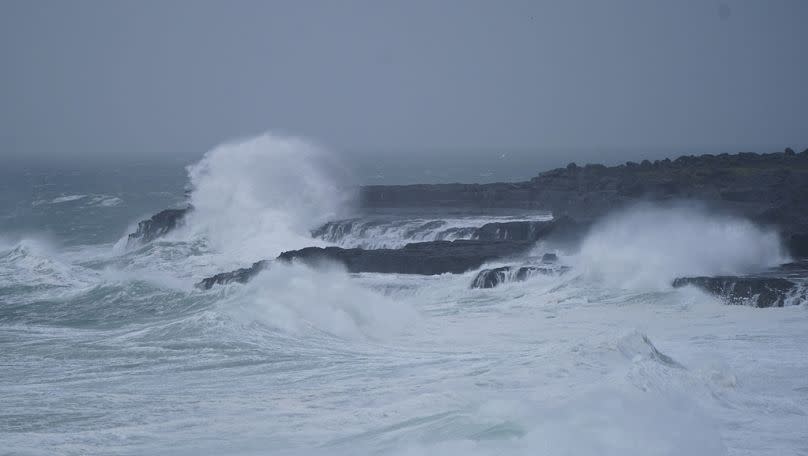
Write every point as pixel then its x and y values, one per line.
pixel 109 349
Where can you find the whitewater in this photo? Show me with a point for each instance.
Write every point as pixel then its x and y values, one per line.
pixel 108 348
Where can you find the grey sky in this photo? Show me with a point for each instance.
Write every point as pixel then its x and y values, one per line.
pixel 177 77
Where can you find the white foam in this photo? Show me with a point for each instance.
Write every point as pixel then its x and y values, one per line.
pixel 257 197
pixel 67 198
pixel 105 201
pixel 92 200
pixel 36 262
pixel 299 299
pixel 648 246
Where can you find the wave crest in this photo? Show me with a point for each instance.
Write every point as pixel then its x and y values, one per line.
pixel 255 197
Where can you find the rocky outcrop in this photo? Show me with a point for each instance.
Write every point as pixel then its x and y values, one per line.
pixel 770 188
pixel 242 275
pixel 595 189
pixel 523 230
pixel 490 278
pixel 754 291
pixel 518 230
pixel 425 258
pixel 156 226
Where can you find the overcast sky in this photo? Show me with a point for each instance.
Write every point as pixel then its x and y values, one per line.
pixel 115 78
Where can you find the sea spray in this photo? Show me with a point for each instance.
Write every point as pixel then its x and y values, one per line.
pixel 297 299
pixel 648 246
pixel 259 196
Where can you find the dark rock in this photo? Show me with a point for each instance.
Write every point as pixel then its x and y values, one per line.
pixel 745 184
pixel 548 258
pixel 797 244
pixel 428 258
pixel 490 278
pixel 242 275
pixel 789 152
pixel 515 231
pixel 755 291
pixel 158 225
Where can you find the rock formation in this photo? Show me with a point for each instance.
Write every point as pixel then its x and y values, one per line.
pixel 158 225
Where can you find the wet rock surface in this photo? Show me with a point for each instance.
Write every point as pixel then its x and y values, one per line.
pixel 424 258
pixel 755 291
pixel 491 278
pixel 242 275
pixel 771 189
pixel 777 287
pixel 158 225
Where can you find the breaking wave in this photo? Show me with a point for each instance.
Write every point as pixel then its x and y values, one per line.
pixel 256 197
pixel 648 246
pixel 117 352
pixel 298 300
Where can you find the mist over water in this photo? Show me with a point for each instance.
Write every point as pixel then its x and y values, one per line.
pixel 116 352
pixel 113 112
pixel 648 246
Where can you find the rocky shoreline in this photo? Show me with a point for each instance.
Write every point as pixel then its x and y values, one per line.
pixel 769 189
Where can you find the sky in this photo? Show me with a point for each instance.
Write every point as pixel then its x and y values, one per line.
pixel 390 79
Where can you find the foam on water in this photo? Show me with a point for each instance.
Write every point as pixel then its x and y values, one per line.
pixel 91 200
pixel 36 263
pixel 67 198
pixel 606 359
pixel 298 299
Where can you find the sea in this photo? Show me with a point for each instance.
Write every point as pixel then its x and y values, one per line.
pixel 108 348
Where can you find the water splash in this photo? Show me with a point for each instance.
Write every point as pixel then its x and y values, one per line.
pixel 649 246
pixel 256 197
